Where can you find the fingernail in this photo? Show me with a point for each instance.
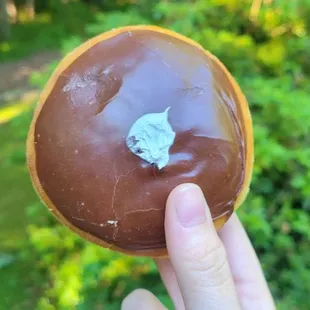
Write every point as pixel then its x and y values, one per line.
pixel 190 205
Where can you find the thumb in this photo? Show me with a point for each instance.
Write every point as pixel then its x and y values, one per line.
pixel 141 299
pixel 196 252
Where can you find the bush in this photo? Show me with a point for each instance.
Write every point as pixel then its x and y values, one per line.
pixel 47 31
pixel 269 57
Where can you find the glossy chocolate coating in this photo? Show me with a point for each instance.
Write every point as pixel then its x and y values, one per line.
pixel 82 160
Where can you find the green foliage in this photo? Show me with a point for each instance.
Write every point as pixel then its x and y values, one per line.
pixel 107 21
pixel 48 30
pixel 269 56
pixel 84 275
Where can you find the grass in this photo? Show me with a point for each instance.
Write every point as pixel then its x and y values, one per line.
pixel 16 193
pixel 16 289
pixel 23 42
pixel 46 32
pixel 12 109
pixel 15 188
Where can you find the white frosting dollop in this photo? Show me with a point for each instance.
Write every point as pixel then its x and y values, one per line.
pixel 151 137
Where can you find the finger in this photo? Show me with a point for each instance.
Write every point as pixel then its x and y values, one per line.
pixel 250 282
pixel 197 253
pixel 169 278
pixel 142 299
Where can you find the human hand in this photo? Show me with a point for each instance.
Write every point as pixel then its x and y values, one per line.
pixel 205 269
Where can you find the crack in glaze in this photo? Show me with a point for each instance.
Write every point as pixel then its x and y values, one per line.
pixel 104 104
pixel 118 179
pixel 160 57
pixel 197 90
pixel 78 219
pixel 141 210
pixel 227 213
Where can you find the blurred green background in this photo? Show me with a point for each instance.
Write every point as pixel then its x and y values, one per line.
pixel 264 43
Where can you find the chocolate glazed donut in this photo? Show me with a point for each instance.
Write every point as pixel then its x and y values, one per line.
pixel 126 117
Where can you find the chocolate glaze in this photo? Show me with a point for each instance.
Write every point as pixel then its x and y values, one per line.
pixel 82 160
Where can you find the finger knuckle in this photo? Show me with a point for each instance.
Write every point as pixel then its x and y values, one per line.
pixel 211 262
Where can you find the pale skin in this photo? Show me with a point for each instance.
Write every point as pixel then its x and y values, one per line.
pixel 205 269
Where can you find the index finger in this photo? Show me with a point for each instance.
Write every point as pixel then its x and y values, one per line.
pixel 248 276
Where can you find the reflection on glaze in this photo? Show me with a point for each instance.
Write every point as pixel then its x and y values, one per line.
pixel 138 74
